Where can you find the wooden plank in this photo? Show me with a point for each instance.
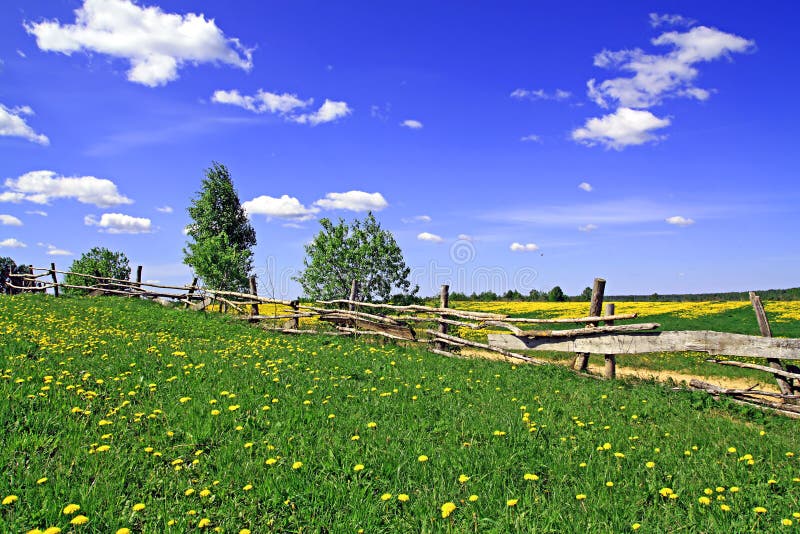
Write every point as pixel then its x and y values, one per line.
pixel 714 343
pixel 766 369
pixel 763 325
pixel 457 341
pixel 595 308
pixel 595 319
pixel 589 331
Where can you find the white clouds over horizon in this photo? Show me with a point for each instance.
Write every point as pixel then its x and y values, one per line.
pixel 285 207
pixel 12 124
pixel 119 223
pixel 285 105
pixel 624 127
pixel 353 201
pixel 155 43
pixel 40 187
pixel 12 242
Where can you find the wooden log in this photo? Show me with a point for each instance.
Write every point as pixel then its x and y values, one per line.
pixel 444 302
pixel 253 291
pixel 139 276
pixel 55 279
pixel 766 369
pixel 594 319
pixel 466 342
pixel 763 325
pixel 368 332
pixel 395 331
pixel 296 319
pixel 714 343
pixel 719 390
pixel 595 308
pixel 590 331
pixel 325 313
pixel 191 291
pixel 610 370
pixel 451 322
pixel 353 295
pixel 422 309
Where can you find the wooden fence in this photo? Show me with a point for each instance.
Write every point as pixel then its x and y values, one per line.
pixel 438 327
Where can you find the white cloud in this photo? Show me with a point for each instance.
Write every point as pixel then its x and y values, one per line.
pixel 586 186
pixel 9 220
pixel 40 213
pixel 531 138
pixel 156 44
pixel 418 218
pixel 285 207
pixel 588 227
pixel 540 94
pixel 657 76
pixel 353 201
pixel 12 243
pixel 41 187
pixel 622 128
pixel 678 220
pixel 657 20
pixel 119 223
pixel 427 236
pixel 327 112
pixel 412 124
pixel 53 250
pixel 13 125
pixel 519 247
pixel 164 209
pixel 262 101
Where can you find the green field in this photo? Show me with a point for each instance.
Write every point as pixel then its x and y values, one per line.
pixel 162 420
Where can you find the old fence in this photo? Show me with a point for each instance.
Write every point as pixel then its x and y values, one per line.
pixel 444 330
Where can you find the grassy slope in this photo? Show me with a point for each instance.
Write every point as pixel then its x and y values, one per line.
pixel 156 374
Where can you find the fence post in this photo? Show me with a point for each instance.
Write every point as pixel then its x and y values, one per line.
pixel 595 308
pixel 254 292
pixel 611 359
pixel 444 302
pixel 139 276
pixel 190 293
pixel 353 295
pixel 55 279
pixel 295 310
pixel 763 325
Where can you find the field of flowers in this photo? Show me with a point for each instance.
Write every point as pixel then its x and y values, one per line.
pixel 123 416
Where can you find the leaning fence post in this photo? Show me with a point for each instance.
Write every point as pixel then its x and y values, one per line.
pixel 595 308
pixel 139 276
pixel 191 292
pixel 763 325
pixel 295 304
pixel 611 359
pixel 55 279
pixel 254 292
pixel 444 302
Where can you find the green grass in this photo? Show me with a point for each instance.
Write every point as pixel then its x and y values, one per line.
pixel 132 363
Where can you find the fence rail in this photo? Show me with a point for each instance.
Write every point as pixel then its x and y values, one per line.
pixel 512 337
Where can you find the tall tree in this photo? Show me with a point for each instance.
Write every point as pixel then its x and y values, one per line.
pixel 360 251
pixel 220 250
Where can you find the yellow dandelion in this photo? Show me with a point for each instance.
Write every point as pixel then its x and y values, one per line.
pixel 203 523
pixel 447 509
pixel 760 510
pixel 233 407
pixel 636 526
pixel 10 499
pixel 463 478
pixel 297 465
pixel 123 530
pixel 244 531
pixel 372 424
pixel 704 501
pixel 422 458
pixel 724 507
pixel 248 487
pixel 650 465
pixel 512 502
pixel 70 509
pixel 786 522
pixel 79 520
pixel 402 497
pixel 609 484
pixel 138 507
pixel 205 493
pixel 580 496
pixel 530 476
pixel 472 498
pixel 271 461
pixel 184 400
pixel 189 491
pixel 386 496
pixel 41 480
pixel 358 467
pixel 215 412
pixel 102 448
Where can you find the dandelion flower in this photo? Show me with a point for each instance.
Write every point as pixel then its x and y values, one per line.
pixel 233 407
pixel 188 491
pixel 138 507
pixel 215 412
pixel 205 493
pixel 650 465
pixel 704 500
pixel 636 526
pixel 731 450
pixel 358 467
pixel 70 509
pixel 270 461
pixel 247 487
pixel 184 400
pixel 463 478
pixel 760 510
pixel 403 497
pixel 512 502
pixel 422 458
pixel 386 496
pixel 609 484
pixel 41 480
pixel 580 496
pixel 123 530
pixel 79 520
pixel 447 509
pixel 786 522
pixel 203 523
pixel 11 499
pixel 530 476
pixel 724 507
pixel 472 498
pixel 372 424
pixel 244 531
pixel 102 448
pixel 297 465
pixel 665 492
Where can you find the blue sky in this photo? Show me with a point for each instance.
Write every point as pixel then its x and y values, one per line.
pixel 507 145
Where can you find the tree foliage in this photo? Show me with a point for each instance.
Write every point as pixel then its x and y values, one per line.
pixel 220 250
pixel 7 267
pixel 99 261
pixel 586 294
pixel 360 251
pixel 556 295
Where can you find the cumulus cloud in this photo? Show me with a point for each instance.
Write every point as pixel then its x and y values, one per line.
pixel 622 128
pixel 586 186
pixel 41 187
pixel 40 213
pixel 164 209
pixel 657 20
pixel 540 94
pixel 12 124
pixel 678 220
pixel 12 242
pixel 588 227
pixel 155 43
pixel 417 218
pixel 53 250
pixel 285 207
pixel 289 106
pixel 353 201
pixel 119 223
pixel 658 76
pixel 432 238
pixel 531 138
pixel 9 220
pixel 528 247
pixel 412 124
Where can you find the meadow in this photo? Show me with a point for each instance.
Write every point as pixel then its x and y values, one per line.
pixel 124 416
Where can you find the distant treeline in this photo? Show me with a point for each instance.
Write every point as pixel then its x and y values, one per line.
pixel 556 295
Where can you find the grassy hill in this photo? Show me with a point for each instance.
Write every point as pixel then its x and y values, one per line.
pixel 162 420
